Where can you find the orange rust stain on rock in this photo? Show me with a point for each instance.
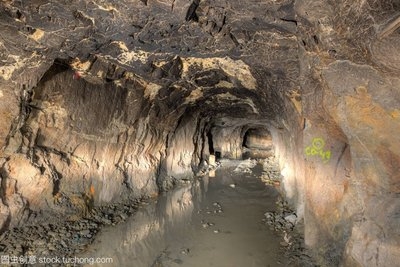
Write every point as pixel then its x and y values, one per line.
pixel 154 195
pixel 91 190
pixel 395 114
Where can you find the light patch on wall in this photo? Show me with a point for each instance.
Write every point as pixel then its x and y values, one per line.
pixel 106 7
pixel 121 45
pixel 7 71
pixel 224 84
pixel 395 113
pixel 127 57
pixel 1 94
pixel 151 90
pixel 80 66
pixel 234 68
pixel 194 95
pixel 37 34
pixel 295 97
pixel 288 181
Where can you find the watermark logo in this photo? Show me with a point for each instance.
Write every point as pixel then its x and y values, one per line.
pixel 317 149
pixel 33 260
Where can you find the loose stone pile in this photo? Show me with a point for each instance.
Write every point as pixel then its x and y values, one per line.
pixel 63 238
pixel 207 168
pixel 284 219
pixel 215 209
pixel 271 174
pixel 245 166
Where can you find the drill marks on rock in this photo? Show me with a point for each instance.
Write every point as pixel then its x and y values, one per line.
pixel 316 149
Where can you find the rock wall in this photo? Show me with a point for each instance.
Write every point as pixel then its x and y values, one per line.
pixel 349 101
pixel 98 104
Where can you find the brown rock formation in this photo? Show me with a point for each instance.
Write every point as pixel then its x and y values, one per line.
pixel 110 99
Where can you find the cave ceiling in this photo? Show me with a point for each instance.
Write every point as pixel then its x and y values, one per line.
pixel 219 57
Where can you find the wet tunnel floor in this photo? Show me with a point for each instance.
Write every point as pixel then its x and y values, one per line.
pixel 215 221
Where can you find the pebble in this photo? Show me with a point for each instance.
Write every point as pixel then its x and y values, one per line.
pixel 284 221
pixel 292 218
pixel 62 242
pixel 68 237
pixel 185 251
pixel 84 232
pixel 106 221
pixel 232 185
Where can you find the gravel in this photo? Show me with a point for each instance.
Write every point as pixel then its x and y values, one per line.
pixel 63 238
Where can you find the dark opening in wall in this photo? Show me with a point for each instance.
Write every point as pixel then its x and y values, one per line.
pixel 217 155
pixel 246 134
pixel 210 142
pixel 257 143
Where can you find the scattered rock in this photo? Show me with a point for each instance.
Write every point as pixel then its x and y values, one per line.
pixel 185 251
pixel 84 232
pixel 64 238
pixel 291 218
pixel 284 220
pixel 245 166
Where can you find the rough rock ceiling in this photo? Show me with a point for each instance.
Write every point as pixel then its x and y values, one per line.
pixel 149 75
pixel 159 41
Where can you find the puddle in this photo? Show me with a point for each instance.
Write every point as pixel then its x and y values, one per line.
pixel 212 222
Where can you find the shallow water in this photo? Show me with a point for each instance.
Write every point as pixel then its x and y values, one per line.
pixel 184 227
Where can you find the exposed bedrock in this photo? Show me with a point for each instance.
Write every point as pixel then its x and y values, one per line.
pixel 103 100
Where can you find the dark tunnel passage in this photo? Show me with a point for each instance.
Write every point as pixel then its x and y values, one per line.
pixel 272 120
pixel 210 143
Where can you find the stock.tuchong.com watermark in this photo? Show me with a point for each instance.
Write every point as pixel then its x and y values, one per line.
pixel 27 260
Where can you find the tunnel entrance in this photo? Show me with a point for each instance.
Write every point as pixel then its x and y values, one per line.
pixel 257 143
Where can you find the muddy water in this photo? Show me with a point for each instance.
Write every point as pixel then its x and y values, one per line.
pixel 206 223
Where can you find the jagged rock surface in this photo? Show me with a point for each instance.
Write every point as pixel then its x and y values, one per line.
pixel 103 99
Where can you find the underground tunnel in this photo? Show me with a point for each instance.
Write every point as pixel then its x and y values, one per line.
pixel 200 133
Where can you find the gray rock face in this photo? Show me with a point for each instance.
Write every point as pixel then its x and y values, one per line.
pixel 103 100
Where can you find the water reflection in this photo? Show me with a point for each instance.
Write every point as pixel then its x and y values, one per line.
pixel 182 228
pixel 139 241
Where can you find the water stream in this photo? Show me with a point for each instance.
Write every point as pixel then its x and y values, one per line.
pixel 214 221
